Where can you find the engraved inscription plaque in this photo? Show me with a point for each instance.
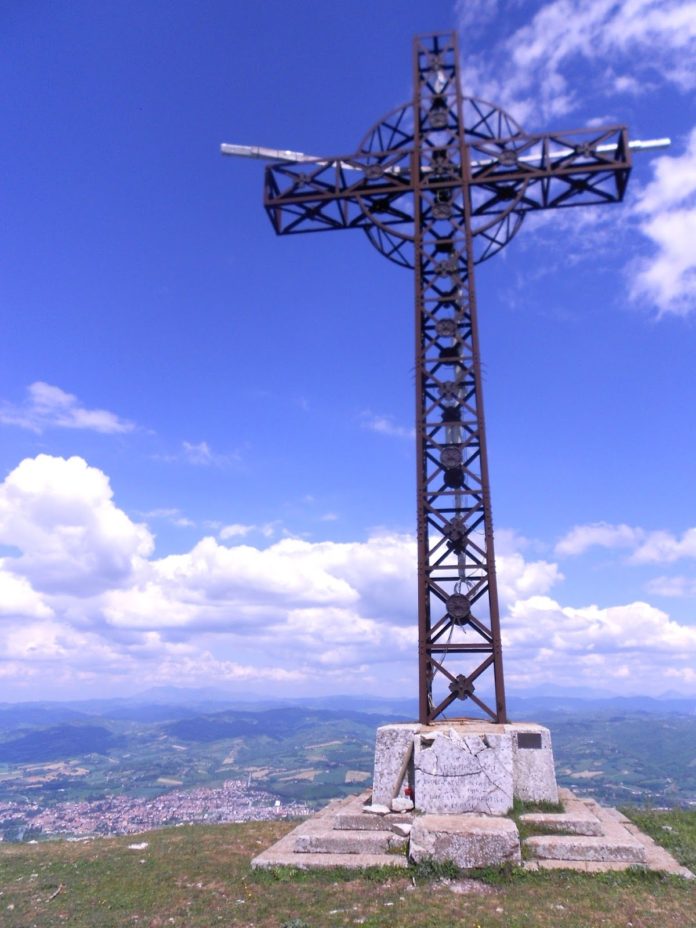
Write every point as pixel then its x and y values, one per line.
pixel 529 739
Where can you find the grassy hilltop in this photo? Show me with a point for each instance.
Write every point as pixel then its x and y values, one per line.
pixel 199 877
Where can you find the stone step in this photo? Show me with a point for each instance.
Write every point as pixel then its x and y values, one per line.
pixel 581 847
pixel 467 840
pixel 581 822
pixel 364 821
pixel 350 842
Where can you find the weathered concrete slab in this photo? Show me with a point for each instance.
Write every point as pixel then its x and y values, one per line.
pixel 475 766
pixel 457 772
pixel 656 857
pixel 333 841
pixel 360 821
pixel 577 823
pixel 584 866
pixel 615 843
pixel 581 847
pixel 469 841
pixel 534 772
pixel 616 830
pixel 393 745
pixel 283 854
pixel 354 816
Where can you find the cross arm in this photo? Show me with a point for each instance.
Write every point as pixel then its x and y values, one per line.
pixel 319 194
pixel 552 170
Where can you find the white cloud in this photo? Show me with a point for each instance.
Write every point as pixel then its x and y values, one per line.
pixel 530 71
pixel 645 547
pixel 240 530
pixel 385 425
pixel 519 578
pixel 600 534
pixel 86 597
pixel 17 598
pixel 594 646
pixel 201 454
pixel 172 515
pixel 474 15
pixel 634 47
pixel 664 548
pixel 71 536
pixel 672 586
pixel 236 530
pixel 666 209
pixel 50 407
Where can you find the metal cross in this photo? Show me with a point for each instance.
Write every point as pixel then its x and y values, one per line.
pixel 439 185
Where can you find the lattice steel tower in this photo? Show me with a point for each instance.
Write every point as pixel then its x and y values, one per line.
pixel 439 185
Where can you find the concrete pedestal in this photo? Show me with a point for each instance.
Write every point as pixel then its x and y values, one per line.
pixel 467 766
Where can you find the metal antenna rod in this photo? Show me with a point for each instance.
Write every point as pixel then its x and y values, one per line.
pixel 297 157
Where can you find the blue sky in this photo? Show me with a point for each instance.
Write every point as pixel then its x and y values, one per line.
pixel 206 431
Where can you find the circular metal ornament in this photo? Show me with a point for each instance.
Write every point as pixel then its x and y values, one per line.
pixel 456 533
pixel 489 133
pixel 446 328
pixel 451 456
pixel 458 607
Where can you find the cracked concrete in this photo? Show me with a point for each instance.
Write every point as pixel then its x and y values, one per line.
pixel 487 765
pixel 467 840
pixel 455 772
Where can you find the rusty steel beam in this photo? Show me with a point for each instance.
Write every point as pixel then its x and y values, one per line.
pixel 439 185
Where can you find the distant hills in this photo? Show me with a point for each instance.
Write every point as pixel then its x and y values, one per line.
pixel 57 743
pixel 169 703
pixel 618 749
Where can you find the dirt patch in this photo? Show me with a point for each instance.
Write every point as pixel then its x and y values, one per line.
pixel 466 887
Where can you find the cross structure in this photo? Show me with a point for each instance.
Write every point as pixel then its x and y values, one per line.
pixel 439 185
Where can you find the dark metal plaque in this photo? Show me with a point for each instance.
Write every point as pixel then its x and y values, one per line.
pixel 529 740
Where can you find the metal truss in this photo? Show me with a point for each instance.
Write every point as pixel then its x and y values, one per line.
pixel 440 185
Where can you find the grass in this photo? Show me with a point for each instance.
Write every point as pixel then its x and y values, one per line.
pixel 674 830
pixel 526 830
pixel 199 877
pixel 520 807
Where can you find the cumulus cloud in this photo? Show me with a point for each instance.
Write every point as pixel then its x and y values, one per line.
pixel 599 534
pixel 72 538
pixel 666 210
pixel 17 598
pixel 663 547
pixel 645 547
pixel 47 407
pixel 85 596
pixel 518 578
pixel 594 646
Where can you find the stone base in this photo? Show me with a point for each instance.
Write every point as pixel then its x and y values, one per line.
pixel 351 833
pixel 324 841
pixel 466 766
pixel 469 841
